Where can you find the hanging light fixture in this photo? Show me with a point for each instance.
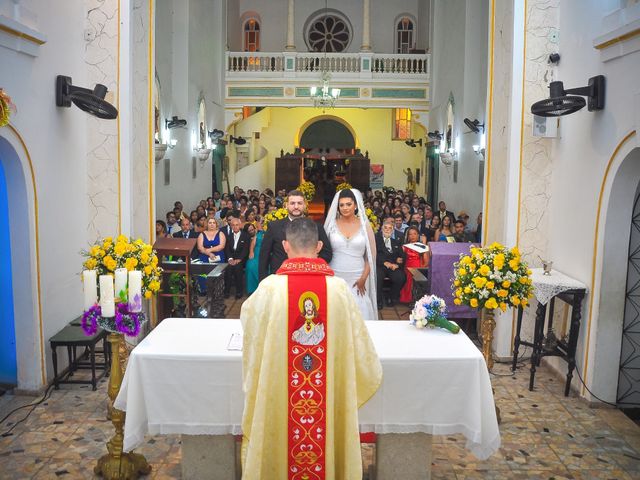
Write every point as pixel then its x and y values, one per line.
pixel 324 96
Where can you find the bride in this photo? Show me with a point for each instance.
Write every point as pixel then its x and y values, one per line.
pixel 353 246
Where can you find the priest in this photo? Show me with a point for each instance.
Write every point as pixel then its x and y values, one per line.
pixel 308 365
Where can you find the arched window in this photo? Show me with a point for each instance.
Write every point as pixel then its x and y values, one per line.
pixel 404 35
pixel 252 35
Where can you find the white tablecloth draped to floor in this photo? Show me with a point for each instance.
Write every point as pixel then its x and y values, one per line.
pixel 182 379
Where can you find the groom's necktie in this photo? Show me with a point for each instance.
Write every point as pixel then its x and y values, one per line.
pixel 387 243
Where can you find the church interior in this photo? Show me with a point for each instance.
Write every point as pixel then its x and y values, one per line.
pixel 126 123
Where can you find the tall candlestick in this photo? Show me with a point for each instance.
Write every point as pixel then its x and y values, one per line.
pixel 121 282
pixel 135 291
pixel 90 285
pixel 106 296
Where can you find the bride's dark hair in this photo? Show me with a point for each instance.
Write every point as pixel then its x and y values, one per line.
pixel 347 193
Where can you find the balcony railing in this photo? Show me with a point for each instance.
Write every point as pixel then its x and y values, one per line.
pixel 378 64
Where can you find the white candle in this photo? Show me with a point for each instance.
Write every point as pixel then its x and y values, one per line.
pixel 135 291
pixel 90 284
pixel 121 282
pixel 106 296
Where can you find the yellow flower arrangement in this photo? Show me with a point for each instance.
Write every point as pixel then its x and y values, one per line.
pixel 6 107
pixel 373 220
pixel 342 186
pixel 107 255
pixel 276 215
pixel 308 189
pixel 500 280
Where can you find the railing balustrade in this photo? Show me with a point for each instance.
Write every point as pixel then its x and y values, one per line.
pixel 380 63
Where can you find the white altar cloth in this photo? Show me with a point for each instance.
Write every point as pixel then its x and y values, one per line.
pixel 181 379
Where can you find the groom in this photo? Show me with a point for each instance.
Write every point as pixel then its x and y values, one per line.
pixel 272 252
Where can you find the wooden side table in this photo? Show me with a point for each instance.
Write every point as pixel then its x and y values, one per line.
pixel 549 345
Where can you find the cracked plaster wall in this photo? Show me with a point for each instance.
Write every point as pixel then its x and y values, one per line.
pixel 101 61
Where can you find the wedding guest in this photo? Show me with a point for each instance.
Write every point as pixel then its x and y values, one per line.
pixel 413 260
pixel 161 229
pixel 389 263
pixel 193 216
pixel 211 243
pixel 251 268
pixel 433 228
pixel 445 230
pixel 478 230
pixel 237 252
pixel 185 230
pixel 172 224
pixel 459 234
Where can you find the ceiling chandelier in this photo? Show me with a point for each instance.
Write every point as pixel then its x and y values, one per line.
pixel 324 96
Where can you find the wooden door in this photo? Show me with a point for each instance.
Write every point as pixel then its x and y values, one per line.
pixel 359 173
pixel 288 173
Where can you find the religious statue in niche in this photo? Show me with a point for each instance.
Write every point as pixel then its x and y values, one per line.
pixel 203 134
pixel 309 329
pixel 411 183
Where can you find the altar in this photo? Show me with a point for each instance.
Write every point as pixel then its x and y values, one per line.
pixel 183 379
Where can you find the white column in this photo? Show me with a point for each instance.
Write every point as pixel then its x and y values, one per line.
pixel 290 24
pixel 366 40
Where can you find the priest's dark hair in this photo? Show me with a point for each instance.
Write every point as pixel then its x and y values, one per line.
pixel 302 234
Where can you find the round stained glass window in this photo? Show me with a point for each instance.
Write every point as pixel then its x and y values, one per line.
pixel 328 33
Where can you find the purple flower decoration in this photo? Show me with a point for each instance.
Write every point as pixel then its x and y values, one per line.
pixel 89 320
pixel 127 322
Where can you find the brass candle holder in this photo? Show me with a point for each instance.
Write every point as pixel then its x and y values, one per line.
pixel 119 465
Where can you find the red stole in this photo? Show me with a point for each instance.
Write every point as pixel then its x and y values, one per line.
pixel 307 366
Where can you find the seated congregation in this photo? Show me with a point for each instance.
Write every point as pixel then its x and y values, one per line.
pixel 243 230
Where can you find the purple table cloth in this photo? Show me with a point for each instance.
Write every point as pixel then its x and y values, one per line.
pixel 443 256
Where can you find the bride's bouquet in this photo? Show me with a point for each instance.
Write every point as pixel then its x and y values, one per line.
pixel 431 311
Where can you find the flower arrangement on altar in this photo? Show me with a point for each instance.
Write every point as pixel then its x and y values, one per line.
pixel 308 189
pixel 342 186
pixel 373 220
pixel 278 214
pixel 6 107
pixel 492 277
pixel 123 272
pixel 431 311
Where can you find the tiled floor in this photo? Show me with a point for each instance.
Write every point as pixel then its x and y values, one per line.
pixel 544 435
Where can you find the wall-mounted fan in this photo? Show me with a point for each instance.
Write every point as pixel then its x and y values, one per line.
pixel 435 135
pixel 474 125
pixel 90 101
pixel 561 103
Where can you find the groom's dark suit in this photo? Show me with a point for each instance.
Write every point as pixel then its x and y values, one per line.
pixel 272 252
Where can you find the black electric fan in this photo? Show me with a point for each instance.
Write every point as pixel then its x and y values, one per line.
pixel 561 102
pixel 90 101
pixel 474 125
pixel 435 135
pixel 413 143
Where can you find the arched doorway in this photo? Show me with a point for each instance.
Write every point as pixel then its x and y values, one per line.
pixel 8 362
pixel 21 226
pixel 327 134
pixel 604 353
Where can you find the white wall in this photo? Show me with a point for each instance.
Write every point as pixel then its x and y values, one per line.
pixel 56 140
pixel 273 14
pixel 459 65
pixel 587 142
pixel 189 58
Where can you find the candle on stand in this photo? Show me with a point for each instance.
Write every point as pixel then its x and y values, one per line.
pixel 106 296
pixel 135 291
pixel 90 284
pixel 121 281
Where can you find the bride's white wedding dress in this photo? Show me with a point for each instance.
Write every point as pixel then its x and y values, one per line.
pixel 348 263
